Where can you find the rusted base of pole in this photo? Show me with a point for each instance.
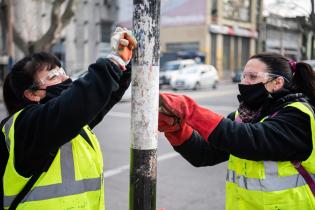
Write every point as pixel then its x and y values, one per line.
pixel 142 189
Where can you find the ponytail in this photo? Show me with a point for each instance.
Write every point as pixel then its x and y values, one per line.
pixel 304 80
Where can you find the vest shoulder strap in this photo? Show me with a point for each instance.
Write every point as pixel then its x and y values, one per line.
pixel 19 197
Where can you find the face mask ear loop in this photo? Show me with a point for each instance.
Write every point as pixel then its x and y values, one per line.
pixel 272 79
pixel 35 88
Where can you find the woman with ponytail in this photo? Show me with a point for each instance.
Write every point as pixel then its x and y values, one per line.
pixel 268 142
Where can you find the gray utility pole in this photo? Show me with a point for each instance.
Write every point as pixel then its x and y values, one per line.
pixel 144 105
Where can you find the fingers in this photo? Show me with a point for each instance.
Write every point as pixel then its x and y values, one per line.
pixel 166 119
pixel 169 103
pixel 120 29
pixel 168 123
pixel 132 40
pixel 124 42
pixel 124 53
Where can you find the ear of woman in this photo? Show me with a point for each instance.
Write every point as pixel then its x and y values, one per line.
pixel 31 95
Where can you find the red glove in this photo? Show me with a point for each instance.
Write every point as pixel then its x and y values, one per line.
pixel 175 132
pixel 199 118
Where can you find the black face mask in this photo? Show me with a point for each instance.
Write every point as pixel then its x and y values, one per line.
pixel 254 95
pixel 55 90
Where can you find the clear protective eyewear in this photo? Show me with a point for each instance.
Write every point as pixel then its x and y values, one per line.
pixel 52 76
pixel 253 76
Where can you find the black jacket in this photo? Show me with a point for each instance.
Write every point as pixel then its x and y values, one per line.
pixel 283 137
pixel 41 129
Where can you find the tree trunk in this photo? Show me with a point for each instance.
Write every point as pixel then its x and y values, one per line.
pixel 29 36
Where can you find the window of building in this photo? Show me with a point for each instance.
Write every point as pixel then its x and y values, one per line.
pixel 236 55
pixel 214 8
pixel 187 46
pixel 109 3
pixel 245 50
pixel 226 52
pixel 237 10
pixel 213 49
pixel 106 31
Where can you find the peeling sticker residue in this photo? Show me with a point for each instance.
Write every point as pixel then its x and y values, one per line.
pixel 144 107
pixel 145 74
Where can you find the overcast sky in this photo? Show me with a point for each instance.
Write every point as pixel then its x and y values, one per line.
pixel 289 8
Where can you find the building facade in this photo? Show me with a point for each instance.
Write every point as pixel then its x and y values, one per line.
pixel 283 35
pixel 225 32
pixel 82 41
pixel 88 35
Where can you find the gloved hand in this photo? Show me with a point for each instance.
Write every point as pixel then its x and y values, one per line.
pixel 175 131
pixel 122 44
pixel 202 120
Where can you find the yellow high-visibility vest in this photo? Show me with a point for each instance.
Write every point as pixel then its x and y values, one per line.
pixel 270 185
pixel 74 180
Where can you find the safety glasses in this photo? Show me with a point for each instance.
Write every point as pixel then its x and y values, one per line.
pixel 52 76
pixel 254 76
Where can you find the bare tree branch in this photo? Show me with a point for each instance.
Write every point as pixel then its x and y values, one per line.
pixel 68 13
pixel 58 22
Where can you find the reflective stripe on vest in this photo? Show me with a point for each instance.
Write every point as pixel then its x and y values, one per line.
pixel 268 184
pixel 69 185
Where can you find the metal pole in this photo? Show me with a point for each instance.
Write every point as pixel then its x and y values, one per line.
pixel 144 105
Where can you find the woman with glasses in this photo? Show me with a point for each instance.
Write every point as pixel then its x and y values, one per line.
pixel 50 158
pixel 268 142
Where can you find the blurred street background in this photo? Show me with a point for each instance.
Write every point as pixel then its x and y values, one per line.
pixel 204 45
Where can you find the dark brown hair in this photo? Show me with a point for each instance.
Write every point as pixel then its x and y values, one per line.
pixel 21 78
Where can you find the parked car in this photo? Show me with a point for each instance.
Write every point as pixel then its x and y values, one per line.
pixel 237 76
pixel 171 68
pixel 195 77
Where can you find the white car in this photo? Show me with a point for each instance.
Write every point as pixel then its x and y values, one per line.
pixel 196 77
pixel 171 68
